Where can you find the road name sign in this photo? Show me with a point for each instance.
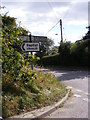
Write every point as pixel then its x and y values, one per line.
pixel 30 47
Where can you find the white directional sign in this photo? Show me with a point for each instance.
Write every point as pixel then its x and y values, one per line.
pixel 30 47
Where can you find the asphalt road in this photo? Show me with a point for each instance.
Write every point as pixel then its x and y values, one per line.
pixel 77 105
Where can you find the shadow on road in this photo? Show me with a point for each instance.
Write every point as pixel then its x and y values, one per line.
pixel 69 74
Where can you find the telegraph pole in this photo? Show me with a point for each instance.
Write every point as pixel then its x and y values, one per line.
pixel 61 30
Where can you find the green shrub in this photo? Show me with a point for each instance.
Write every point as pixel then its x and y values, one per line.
pixel 75 54
pixel 23 89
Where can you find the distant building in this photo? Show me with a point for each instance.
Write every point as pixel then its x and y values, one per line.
pixel 34 39
pixel 25 38
pixel 39 39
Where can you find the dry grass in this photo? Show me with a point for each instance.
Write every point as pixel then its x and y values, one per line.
pixel 43 91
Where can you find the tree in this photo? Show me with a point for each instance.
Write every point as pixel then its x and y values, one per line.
pixel 15 73
pixel 24 32
pixel 12 60
pixel 54 50
pixel 45 47
pixel 87 36
pixel 8 21
pixel 79 52
pixel 64 48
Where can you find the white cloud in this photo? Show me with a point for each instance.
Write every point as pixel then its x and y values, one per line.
pixel 40 15
pixel 74 2
pixel 77 22
pixel 50 14
pixel 39 27
pixel 61 9
pixel 73 37
pixel 43 1
pixel 38 18
pixel 18 12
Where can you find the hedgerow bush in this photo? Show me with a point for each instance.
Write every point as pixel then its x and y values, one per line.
pixel 23 89
pixel 75 54
pixel 15 73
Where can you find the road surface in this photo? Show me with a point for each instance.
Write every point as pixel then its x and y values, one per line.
pixel 77 105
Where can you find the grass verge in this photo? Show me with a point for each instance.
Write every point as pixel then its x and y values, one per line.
pixel 43 90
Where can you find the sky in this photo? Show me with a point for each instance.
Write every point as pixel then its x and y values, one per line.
pixel 39 17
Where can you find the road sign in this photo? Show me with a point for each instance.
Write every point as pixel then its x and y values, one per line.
pixel 30 47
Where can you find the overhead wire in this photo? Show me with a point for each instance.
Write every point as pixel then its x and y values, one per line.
pixel 64 16
pixel 53 27
pixel 49 3
pixel 56 17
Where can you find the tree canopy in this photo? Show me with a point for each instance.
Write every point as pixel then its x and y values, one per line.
pixel 87 36
pixel 45 47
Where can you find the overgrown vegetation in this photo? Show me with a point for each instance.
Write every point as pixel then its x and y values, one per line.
pixel 23 89
pixel 32 92
pixel 45 47
pixel 70 54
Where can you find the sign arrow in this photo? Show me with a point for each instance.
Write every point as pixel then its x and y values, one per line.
pixel 22 46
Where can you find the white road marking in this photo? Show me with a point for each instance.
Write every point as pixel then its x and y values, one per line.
pixel 86 99
pixel 86 93
pixel 76 95
pixel 78 90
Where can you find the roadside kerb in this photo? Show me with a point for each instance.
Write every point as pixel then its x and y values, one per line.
pixel 54 107
pixel 43 112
